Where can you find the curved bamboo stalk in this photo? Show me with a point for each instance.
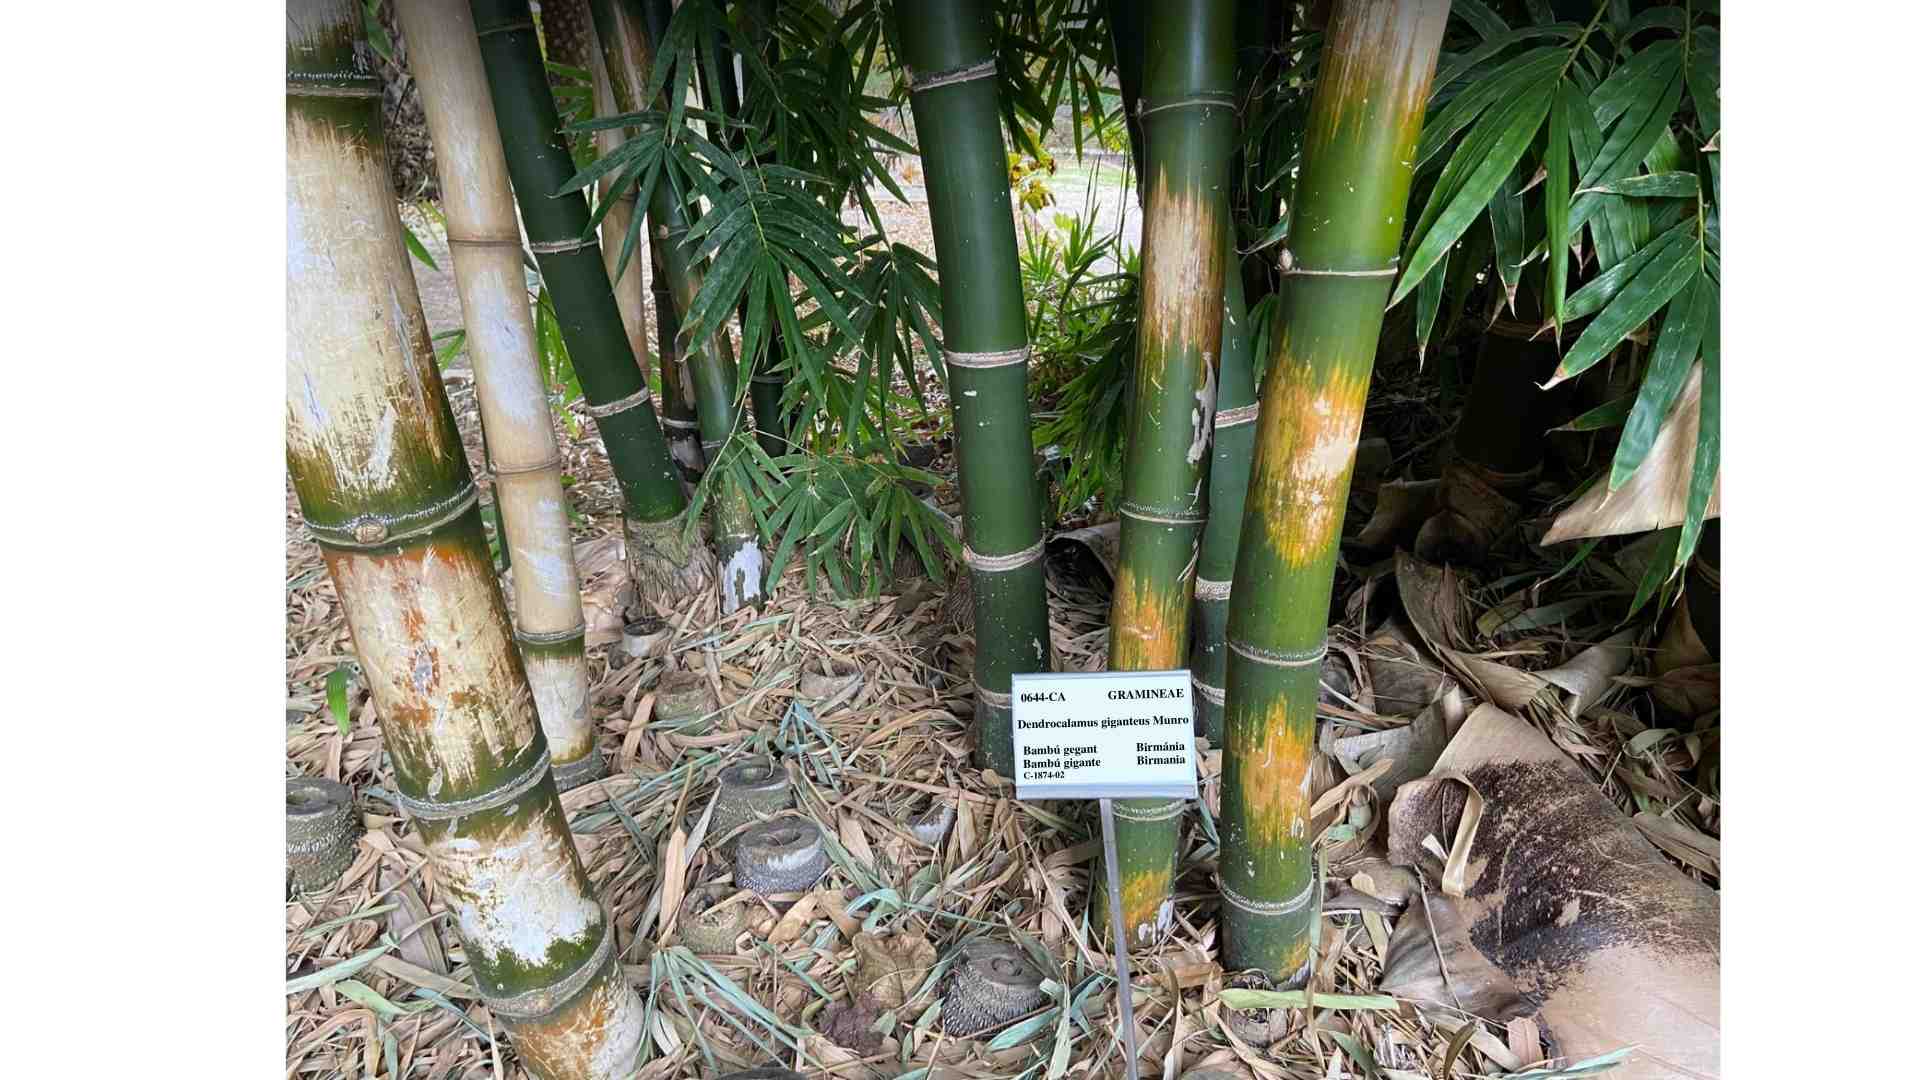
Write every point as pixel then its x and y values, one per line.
pixel 484 237
pixel 1187 119
pixel 1226 501
pixel 664 554
pixel 382 478
pixel 947 43
pixel 716 375
pixel 1349 213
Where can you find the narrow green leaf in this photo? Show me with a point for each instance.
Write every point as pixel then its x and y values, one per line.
pixel 1637 302
pixel 1508 219
pixel 1600 417
pixel 1483 19
pixel 1481 165
pixel 1595 294
pixel 1706 452
pixel 1670 185
pixel 418 249
pixel 337 682
pixel 1672 360
pixel 1559 178
pixel 1659 568
pixel 1426 305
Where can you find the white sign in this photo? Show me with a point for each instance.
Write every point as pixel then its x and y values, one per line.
pixel 1104 735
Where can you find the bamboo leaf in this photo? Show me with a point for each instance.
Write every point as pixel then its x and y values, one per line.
pixel 1673 355
pixel 418 249
pixel 1637 302
pixel 1559 177
pixel 1706 453
pixel 1481 167
pixel 1639 128
pixel 1644 73
pixel 1426 305
pixel 1595 294
pixel 1499 85
pixel 1600 417
pixel 1507 217
pixel 1482 18
pixel 1659 568
pixel 1668 185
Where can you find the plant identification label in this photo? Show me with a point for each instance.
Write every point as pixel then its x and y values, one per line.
pixel 1104 735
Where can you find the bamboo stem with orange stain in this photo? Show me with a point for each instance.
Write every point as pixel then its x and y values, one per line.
pixel 484 236
pixel 384 486
pixel 1187 117
pixel 1348 218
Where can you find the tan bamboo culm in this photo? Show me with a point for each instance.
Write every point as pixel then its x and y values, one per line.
pixel 484 236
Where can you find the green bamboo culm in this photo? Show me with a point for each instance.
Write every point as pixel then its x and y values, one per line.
pixel 1188 121
pixel 376 461
pixel 664 554
pixel 1226 499
pixel 769 379
pixel 1348 217
pixel 716 375
pixel 948 45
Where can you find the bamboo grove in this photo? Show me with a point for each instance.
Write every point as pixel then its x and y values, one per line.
pixel 1306 175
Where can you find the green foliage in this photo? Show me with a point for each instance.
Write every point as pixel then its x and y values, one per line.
pixel 1080 325
pixel 1578 149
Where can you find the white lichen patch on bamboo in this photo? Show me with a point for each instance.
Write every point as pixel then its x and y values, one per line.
pixel 741 577
pixel 356 339
pixel 1181 278
pixel 518 892
pixel 445 676
pixel 560 695
pixel 1203 405
pixel 542 547
pixel 506 365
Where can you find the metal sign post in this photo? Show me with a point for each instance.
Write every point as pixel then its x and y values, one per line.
pixel 1106 735
pixel 1121 975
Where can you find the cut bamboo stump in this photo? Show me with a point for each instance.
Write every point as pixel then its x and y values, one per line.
pixel 321 830
pixel 785 855
pixel 705 926
pixel 749 791
pixel 992 983
pixel 684 700
pixel 642 637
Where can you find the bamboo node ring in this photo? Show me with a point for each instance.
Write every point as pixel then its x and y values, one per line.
pixel 999 564
pixel 562 247
pixel 678 424
pixel 1139 513
pixel 434 810
pixel 1234 417
pixel 1210 692
pixel 980 361
pixel 993 697
pixel 1199 101
pixel 551 637
pixel 1277 658
pixel 1209 589
pixel 1171 809
pixel 546 1000
pixel 377 530
pixel 1267 907
pixel 634 400
pixel 932 80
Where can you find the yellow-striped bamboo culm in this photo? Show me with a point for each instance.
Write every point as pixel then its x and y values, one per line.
pixel 1348 215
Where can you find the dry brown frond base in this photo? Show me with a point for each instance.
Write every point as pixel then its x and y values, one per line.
pixel 396 1001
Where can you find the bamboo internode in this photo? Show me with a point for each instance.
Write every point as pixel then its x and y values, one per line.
pixel 983 312
pixel 1357 165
